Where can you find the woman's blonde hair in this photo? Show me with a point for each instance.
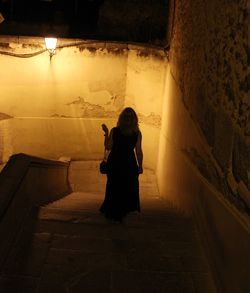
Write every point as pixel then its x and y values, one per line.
pixel 128 121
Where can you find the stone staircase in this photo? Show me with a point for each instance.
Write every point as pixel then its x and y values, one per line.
pixel 68 246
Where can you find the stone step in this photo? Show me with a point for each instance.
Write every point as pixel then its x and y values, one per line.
pixel 69 246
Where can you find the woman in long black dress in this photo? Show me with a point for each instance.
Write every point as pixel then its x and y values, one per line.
pixel 124 166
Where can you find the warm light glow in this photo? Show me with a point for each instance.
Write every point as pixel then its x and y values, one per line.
pixel 1 18
pixel 51 46
pixel 50 43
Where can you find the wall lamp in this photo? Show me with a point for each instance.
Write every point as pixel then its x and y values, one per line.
pixel 50 44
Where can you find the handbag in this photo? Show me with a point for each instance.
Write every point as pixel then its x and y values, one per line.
pixel 104 163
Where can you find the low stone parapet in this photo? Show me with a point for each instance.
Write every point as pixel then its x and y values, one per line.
pixel 27 182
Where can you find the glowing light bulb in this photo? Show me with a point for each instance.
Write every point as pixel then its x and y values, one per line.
pixel 50 44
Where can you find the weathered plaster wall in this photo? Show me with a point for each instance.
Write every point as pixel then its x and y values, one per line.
pixel 146 70
pixel 79 81
pixel 145 83
pixel 5 138
pixel 59 106
pixel 204 155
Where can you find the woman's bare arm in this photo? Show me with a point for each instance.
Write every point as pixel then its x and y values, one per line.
pixel 108 140
pixel 139 153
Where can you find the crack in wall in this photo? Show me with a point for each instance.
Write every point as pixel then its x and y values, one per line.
pixel 4 116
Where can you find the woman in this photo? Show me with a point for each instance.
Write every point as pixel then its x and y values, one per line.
pixel 124 166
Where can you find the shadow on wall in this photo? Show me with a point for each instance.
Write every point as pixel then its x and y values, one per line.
pixel 4 116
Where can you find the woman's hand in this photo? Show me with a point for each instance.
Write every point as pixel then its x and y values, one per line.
pixel 140 170
pixel 105 129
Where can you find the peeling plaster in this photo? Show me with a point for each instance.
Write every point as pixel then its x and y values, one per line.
pixel 147 53
pixel 5 45
pixel 33 46
pixel 152 119
pixel 90 110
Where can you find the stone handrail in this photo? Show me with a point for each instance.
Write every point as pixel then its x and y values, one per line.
pixel 27 182
pixel 19 167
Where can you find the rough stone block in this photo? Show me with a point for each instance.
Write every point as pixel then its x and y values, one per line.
pixel 79 243
pixel 223 144
pixel 149 282
pixel 244 193
pixel 27 261
pixel 154 262
pixel 91 282
pixel 194 264
pixel 241 159
pixel 206 114
pixel 203 283
pixel 55 278
pixel 18 284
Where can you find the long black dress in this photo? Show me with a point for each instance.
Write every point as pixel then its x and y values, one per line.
pixel 122 189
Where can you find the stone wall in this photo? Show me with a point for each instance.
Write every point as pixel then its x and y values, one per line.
pixel 204 150
pixel 58 106
pixel 209 56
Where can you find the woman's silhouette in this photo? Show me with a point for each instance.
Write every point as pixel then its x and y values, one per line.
pixel 124 166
